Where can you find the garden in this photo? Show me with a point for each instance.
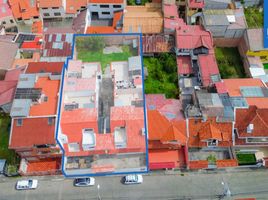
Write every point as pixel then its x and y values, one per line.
pixel 5 153
pixel 229 63
pixel 162 75
pixel 246 158
pixel 254 17
pixel 90 49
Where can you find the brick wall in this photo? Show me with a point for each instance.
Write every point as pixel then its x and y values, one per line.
pixel 226 42
pixel 198 164
pixel 226 163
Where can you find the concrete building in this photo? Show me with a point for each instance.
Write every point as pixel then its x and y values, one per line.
pixel 217 4
pixel 225 23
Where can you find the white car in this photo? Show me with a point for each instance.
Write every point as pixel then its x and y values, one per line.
pixel 83 182
pixel 132 179
pixel 27 184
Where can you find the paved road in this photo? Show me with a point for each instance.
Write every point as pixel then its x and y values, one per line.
pixel 155 186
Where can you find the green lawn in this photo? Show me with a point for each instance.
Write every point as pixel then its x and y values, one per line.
pixel 5 153
pixel 162 75
pixel 229 62
pixel 265 65
pixel 105 59
pixel 254 17
pixel 246 158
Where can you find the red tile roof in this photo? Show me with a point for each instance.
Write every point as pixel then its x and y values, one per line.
pixel 34 131
pixel 172 24
pixel 200 131
pixel 50 3
pixel 233 85
pixel 73 122
pixel 170 11
pixel 100 29
pixel 208 67
pixel 221 88
pixel 44 165
pixel 170 108
pixel 159 128
pixel 255 116
pixel 72 6
pixel 233 88
pixel 163 159
pixel 191 37
pixel 7 91
pixel 32 45
pixel 184 65
pixel 196 4
pixel 5 10
pixel 50 51
pixel 106 1
pixel 24 9
pixel 37 27
pixel 50 88
pixel 44 67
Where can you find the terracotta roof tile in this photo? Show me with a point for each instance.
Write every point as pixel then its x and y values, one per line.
pixel 200 131
pixel 106 1
pixel 34 131
pixel 50 88
pixel 44 67
pixel 72 6
pixel 24 8
pixel 160 128
pixel 255 116
pixel 50 3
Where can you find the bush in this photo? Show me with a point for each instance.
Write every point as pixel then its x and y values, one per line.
pixel 94 43
pixel 246 158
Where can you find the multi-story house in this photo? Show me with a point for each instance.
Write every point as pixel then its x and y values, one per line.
pixel 34 115
pixel 25 11
pixel 6 17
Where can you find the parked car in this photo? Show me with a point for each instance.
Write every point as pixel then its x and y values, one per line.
pixel 27 184
pixel 132 179
pixel 83 182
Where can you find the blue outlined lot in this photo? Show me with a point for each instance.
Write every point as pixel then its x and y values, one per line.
pixel 102 124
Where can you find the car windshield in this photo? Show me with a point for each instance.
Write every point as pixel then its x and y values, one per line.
pixel 30 183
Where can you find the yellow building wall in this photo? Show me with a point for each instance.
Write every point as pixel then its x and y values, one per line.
pixel 262 54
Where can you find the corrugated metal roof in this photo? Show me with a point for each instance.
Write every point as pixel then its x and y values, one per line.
pixel 26 81
pixel 20 107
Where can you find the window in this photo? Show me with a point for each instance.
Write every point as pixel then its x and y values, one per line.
pixel 4 22
pixel 57 14
pixel 116 6
pixel 50 120
pixel 45 99
pixel 19 122
pixel 19 19
pixel 44 8
pixel 11 21
pixel 212 143
pixel 104 6
pixel 55 7
pixel 105 13
pixel 36 17
pixel 46 14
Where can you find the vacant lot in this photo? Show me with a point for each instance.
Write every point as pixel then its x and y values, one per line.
pixel 254 17
pixel 104 59
pixel 162 75
pixel 229 62
pixel 5 153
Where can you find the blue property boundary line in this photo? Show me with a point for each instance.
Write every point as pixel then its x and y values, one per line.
pixel 265 24
pixel 60 103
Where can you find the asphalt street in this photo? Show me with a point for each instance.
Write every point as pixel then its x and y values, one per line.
pixel 156 186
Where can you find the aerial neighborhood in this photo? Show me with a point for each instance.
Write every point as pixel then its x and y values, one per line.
pixel 97 87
